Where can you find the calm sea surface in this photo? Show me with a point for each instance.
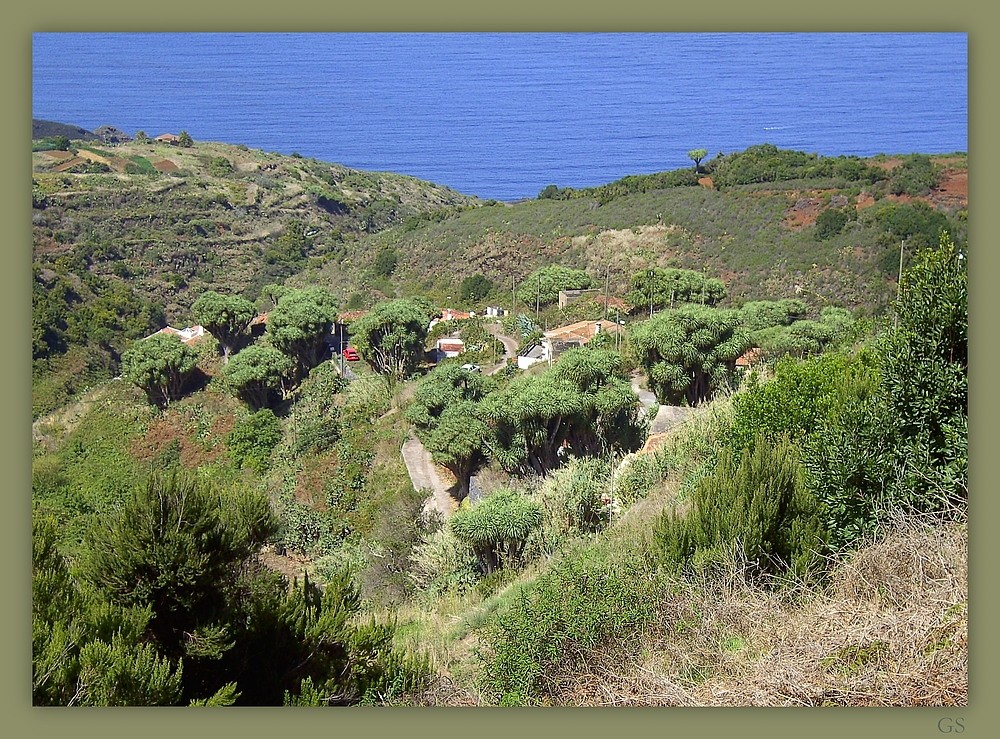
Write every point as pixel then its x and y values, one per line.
pixel 503 115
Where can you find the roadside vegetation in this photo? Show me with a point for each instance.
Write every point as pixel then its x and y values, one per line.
pixel 229 520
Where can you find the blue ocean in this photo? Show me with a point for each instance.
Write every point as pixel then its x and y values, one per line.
pixel 502 115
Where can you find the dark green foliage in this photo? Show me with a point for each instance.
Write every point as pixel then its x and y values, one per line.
pixel 833 408
pixel 632 184
pixel 220 166
pixel 497 528
pixel 226 317
pixel 830 222
pixel 759 507
pixel 386 262
pixel 257 376
pixel 475 287
pixel 849 459
pixel 458 441
pixel 656 288
pixel 316 415
pixel 184 139
pixel 291 247
pixel 583 406
pixel 391 337
pixel 576 605
pixel 916 175
pixel 689 353
pixel 300 325
pixel 332 659
pixel 160 366
pixel 767 163
pixel 178 548
pixel 449 421
pixel 253 439
pixel 65 312
pixel 917 222
pixel 543 285
pixel 171 609
pixel 926 376
pixel 85 652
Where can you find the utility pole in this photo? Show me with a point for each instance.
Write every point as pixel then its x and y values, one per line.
pixel 538 294
pixel 899 284
pixel 512 296
pixel 607 283
pixel 650 275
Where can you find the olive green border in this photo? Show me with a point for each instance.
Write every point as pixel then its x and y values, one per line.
pixel 513 15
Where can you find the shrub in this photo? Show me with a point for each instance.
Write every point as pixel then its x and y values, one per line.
pixel 576 605
pixel 475 287
pixel 830 222
pixel 759 504
pixel 253 439
pixel 917 175
pixel 498 528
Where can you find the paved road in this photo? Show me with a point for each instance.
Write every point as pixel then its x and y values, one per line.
pixel 424 477
pixel 509 347
pixel 667 416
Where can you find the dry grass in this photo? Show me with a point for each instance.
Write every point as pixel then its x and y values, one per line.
pixel 890 629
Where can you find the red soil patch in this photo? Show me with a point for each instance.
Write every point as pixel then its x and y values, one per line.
pixel 57 155
pixel 706 182
pixel 176 431
pixel 165 165
pixel 951 194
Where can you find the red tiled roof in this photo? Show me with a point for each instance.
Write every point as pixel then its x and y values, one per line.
pixel 189 335
pixel 753 355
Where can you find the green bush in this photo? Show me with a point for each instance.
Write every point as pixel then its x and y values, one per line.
pixel 253 439
pixel 917 175
pixel 830 222
pixel 498 528
pixel 799 396
pixel 759 505
pixel 578 604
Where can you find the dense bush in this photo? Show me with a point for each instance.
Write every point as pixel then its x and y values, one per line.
pixel 759 505
pixel 253 439
pixel 475 287
pixel 830 222
pixel 916 175
pixel 926 378
pixel 917 222
pixel 768 163
pixel 577 604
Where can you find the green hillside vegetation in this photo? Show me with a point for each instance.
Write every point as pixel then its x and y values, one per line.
pixel 232 522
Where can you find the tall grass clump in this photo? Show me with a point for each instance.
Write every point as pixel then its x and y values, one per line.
pixel 759 503
pixel 579 603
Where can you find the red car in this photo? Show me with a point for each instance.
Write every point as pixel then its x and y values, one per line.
pixel 351 354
